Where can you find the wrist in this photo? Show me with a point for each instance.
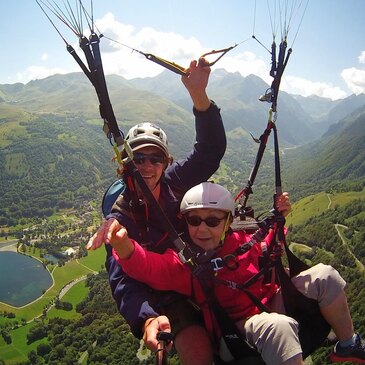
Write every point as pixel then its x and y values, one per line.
pixel 201 102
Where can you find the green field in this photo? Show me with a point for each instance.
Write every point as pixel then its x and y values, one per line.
pixel 17 351
pixel 94 260
pixel 74 296
pixel 315 205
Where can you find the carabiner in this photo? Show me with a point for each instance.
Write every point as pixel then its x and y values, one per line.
pixel 223 51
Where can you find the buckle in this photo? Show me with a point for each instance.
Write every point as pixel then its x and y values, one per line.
pixel 217 263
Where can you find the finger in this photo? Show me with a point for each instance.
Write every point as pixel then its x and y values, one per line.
pixel 96 240
pixel 164 324
pixel 90 243
pixel 202 62
pixel 111 229
pixel 150 339
pixel 193 64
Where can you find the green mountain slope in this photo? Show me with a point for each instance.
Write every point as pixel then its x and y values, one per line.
pixel 53 155
pixel 51 140
pixel 337 161
pixel 51 162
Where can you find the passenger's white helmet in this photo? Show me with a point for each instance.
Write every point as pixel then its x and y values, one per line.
pixel 145 135
pixel 207 195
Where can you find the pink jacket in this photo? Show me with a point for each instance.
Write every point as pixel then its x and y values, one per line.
pixel 166 272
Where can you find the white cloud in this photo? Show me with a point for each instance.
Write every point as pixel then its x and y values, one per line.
pixel 119 57
pixel 297 85
pixel 121 43
pixel 248 63
pixel 38 72
pixel 362 57
pixel 355 77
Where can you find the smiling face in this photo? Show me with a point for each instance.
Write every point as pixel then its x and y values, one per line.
pixel 203 235
pixel 150 166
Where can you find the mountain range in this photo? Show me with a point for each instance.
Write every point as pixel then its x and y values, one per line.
pixel 51 128
pixel 301 119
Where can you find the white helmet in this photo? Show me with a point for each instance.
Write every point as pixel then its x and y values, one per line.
pixel 207 195
pixel 145 135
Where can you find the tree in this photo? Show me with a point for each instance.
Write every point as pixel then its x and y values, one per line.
pixel 43 349
pixel 36 333
pixel 6 336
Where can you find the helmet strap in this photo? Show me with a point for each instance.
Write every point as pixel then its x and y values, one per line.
pixel 223 235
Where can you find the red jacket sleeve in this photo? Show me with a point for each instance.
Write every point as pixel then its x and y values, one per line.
pixel 159 271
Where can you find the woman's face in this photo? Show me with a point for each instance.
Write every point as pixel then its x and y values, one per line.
pixel 202 234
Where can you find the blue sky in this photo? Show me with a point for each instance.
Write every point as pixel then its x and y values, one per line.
pixel 328 56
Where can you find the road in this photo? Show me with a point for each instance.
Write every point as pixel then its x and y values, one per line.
pixel 9 245
pixel 344 242
pixel 343 239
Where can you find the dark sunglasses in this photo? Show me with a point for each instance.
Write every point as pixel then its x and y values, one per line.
pixel 154 159
pixel 195 221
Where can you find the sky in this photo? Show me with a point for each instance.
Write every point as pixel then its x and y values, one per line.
pixel 328 42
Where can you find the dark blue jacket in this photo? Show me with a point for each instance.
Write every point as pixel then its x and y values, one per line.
pixel 135 300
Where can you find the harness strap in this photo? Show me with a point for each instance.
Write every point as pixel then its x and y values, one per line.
pixel 234 339
pixel 260 153
pixel 138 208
pixel 313 328
pixel 182 248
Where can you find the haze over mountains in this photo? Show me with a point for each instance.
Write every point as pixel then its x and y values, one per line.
pixel 322 141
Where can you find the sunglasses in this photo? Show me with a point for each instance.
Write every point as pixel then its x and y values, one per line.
pixel 195 221
pixel 154 159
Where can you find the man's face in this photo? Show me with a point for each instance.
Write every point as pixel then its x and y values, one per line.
pixel 150 162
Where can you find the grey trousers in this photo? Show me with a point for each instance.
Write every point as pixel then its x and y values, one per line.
pixel 275 335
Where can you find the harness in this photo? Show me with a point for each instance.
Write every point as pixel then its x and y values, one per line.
pixel 313 329
pixel 297 305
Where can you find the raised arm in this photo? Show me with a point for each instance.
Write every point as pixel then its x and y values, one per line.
pixel 196 83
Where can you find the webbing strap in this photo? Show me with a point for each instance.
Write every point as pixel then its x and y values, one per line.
pixel 95 73
pixel 180 245
pixel 313 328
pixel 234 339
pixel 260 153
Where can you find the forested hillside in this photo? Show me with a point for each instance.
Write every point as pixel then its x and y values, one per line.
pixel 54 158
pixel 104 336
pixel 337 238
pixel 334 163
pixel 52 162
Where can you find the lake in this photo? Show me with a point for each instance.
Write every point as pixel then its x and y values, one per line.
pixel 22 279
